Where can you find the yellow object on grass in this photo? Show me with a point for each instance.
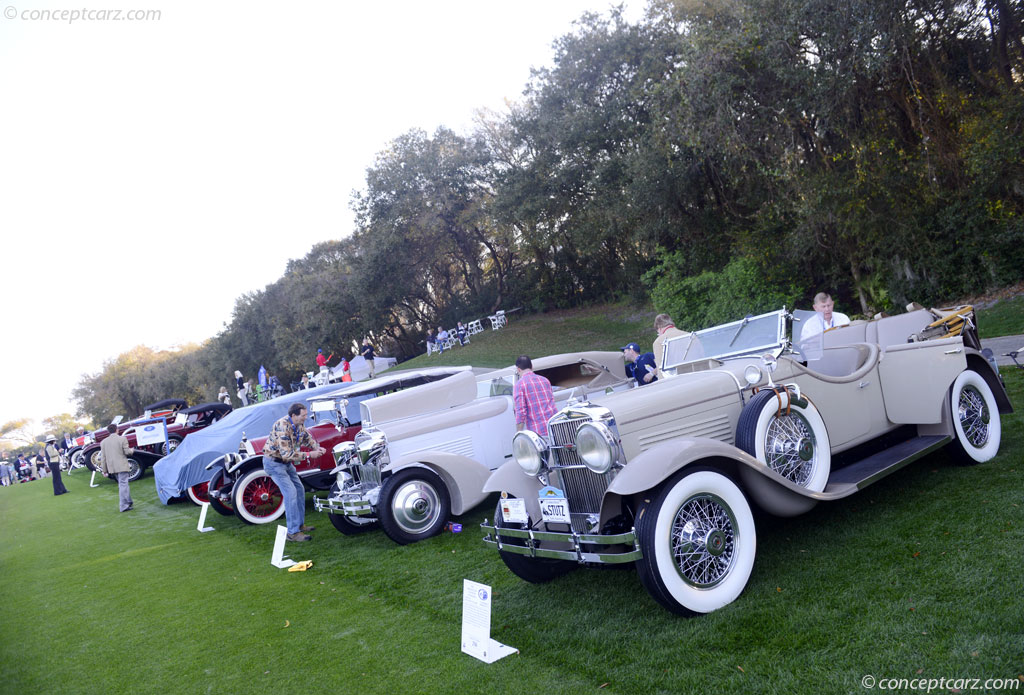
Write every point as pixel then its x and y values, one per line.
pixel 301 566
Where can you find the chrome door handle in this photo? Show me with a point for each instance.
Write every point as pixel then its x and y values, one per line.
pixel 953 352
pixel 863 384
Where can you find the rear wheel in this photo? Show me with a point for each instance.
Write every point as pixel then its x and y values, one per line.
pixel 135 470
pixel 256 498
pixel 976 424
pixel 535 570
pixel 199 493
pixel 171 444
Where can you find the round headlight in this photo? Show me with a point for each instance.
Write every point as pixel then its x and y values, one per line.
pixel 595 444
pixel 752 374
pixel 527 448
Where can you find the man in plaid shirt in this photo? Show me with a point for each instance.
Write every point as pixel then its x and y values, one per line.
pixel 279 456
pixel 533 399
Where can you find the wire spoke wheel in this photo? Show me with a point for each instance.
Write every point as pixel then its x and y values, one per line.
pixel 703 540
pixel 790 447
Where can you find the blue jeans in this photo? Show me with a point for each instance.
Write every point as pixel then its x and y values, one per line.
pixel 291 489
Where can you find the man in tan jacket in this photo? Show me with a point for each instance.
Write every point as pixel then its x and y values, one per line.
pixel 115 452
pixel 666 329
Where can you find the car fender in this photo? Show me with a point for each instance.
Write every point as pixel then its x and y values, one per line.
pixel 464 477
pixel 977 362
pixel 511 479
pixel 772 492
pixel 247 465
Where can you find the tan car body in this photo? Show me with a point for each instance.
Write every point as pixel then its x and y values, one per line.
pixel 460 428
pixel 864 391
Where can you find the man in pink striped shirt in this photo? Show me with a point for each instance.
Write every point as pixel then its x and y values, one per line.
pixel 533 399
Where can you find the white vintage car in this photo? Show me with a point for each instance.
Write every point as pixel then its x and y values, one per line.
pixel 666 475
pixel 424 454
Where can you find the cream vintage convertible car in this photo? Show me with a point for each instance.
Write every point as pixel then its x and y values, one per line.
pixel 665 475
pixel 424 454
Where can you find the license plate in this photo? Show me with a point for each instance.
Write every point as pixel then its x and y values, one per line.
pixel 554 510
pixel 513 511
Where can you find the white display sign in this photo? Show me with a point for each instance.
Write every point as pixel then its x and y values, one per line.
pixel 476 624
pixel 152 432
pixel 513 511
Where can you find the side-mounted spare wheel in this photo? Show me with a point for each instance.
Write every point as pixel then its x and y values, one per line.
pixel 698 539
pixel 788 435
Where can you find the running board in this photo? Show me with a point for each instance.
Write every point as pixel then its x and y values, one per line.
pixel 857 476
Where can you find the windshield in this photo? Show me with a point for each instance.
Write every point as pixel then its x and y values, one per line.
pixel 750 335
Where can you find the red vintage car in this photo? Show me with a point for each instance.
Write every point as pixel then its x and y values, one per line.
pixel 76 454
pixel 242 487
pixel 184 423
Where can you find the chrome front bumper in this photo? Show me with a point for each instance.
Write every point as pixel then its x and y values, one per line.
pixel 575 541
pixel 352 504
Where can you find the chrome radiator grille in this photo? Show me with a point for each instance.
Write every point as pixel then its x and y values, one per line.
pixel 583 488
pixel 366 474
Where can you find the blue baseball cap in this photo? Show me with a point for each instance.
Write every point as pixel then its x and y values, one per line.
pixel 631 346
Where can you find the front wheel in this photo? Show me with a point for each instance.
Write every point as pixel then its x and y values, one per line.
pixel 350 525
pixel 256 498
pixel 535 570
pixel 77 459
pixel 976 425
pixel 218 504
pixel 698 542
pixel 414 504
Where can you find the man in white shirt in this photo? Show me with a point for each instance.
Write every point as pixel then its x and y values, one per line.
pixel 824 317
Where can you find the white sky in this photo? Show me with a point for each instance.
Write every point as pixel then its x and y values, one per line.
pixel 153 171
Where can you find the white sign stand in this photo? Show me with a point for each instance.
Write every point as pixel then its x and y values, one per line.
pixel 92 480
pixel 476 624
pixel 278 559
pixel 202 519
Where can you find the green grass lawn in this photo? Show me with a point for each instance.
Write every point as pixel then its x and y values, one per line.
pixel 1005 317
pixel 916 577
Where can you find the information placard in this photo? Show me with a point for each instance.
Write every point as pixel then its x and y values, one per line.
pixel 476 624
pixel 151 432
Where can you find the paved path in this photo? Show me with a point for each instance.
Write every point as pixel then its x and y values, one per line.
pixel 1001 346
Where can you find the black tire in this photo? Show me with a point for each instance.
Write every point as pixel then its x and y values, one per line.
pixel 977 428
pixel 92 460
pixel 698 540
pixel 216 482
pixel 414 504
pixel 135 470
pixel 350 526
pixel 170 445
pixel 788 436
pixel 536 570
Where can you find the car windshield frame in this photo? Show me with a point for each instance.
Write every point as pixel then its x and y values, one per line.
pixel 750 335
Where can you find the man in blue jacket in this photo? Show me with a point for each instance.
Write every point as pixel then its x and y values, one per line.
pixel 640 367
